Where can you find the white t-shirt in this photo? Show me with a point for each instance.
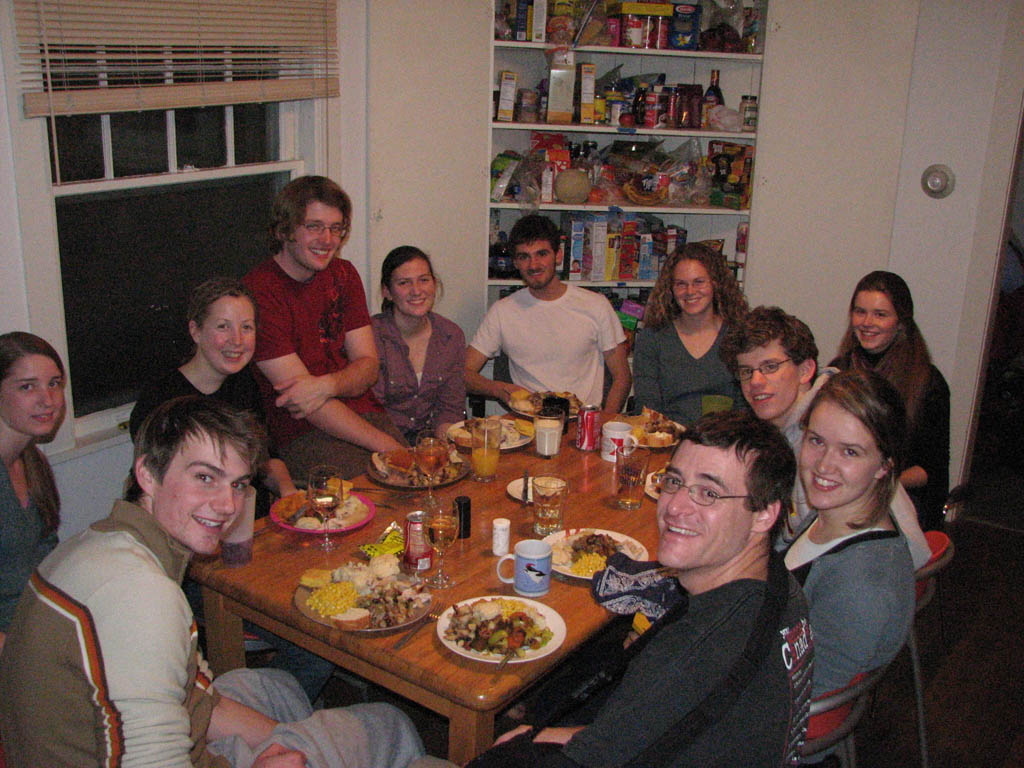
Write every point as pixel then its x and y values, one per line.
pixel 553 345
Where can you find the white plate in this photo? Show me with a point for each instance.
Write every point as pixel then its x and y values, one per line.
pixel 628 545
pixel 551 617
pixel 510 436
pixel 515 489
pixel 651 486
pixel 302 595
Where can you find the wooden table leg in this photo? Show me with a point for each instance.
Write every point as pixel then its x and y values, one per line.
pixel 225 643
pixel 469 733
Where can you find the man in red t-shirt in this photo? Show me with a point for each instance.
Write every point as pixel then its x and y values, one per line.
pixel 314 346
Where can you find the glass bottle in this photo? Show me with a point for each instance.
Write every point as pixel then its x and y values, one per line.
pixel 712 97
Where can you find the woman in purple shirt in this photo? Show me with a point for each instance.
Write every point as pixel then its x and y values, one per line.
pixel 422 355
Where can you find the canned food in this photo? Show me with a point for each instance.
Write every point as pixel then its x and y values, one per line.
pixel 588 428
pixel 418 555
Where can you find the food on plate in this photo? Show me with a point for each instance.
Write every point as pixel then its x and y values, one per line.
pixel 399 467
pixel 523 427
pixel 654 430
pixel 462 436
pixel 531 402
pixel 353 618
pixel 366 595
pixel 349 512
pixel 315 577
pixel 497 626
pixel 584 553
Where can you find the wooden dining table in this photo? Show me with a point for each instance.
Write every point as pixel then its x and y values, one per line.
pixel 469 692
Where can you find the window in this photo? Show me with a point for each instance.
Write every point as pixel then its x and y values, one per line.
pixel 170 126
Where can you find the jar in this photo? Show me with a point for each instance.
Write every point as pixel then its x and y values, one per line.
pixel 748 113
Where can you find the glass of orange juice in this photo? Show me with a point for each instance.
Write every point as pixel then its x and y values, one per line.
pixel 486 448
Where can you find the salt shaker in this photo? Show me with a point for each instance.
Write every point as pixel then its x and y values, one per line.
pixel 499 535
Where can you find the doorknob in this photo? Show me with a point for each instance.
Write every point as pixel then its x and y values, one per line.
pixel 938 181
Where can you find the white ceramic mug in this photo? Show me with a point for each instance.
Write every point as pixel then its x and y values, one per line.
pixel 615 435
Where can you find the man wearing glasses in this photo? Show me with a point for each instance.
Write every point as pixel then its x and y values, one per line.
pixel 775 358
pixel 557 337
pixel 720 500
pixel 314 344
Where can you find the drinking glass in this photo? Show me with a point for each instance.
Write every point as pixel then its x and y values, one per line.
pixel 549 494
pixel 431 455
pixel 547 431
pixel 630 476
pixel 486 449
pixel 442 526
pixel 324 494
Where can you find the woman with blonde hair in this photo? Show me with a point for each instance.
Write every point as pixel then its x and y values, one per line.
pixel 852 560
pixel 31 410
pixel 676 365
pixel 882 336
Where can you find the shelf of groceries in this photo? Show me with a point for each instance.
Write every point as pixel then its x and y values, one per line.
pixel 620 131
pixel 619 50
pixel 693 210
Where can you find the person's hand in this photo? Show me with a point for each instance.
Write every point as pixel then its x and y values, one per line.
pixel 506 388
pixel 511 734
pixel 276 756
pixel 302 395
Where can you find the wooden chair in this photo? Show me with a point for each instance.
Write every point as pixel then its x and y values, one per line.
pixel 835 715
pixel 926 585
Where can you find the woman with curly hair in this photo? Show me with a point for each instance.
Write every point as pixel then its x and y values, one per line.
pixel 882 336
pixel 31 410
pixel 676 366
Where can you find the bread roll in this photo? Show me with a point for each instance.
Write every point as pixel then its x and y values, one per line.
pixel 353 618
pixel 315 578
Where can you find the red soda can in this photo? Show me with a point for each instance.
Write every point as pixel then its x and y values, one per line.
pixel 418 555
pixel 588 428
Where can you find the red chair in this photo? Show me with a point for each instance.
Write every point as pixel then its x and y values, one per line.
pixel 835 715
pixel 926 585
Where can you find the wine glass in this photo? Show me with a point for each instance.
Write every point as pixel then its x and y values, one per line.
pixel 442 526
pixel 324 494
pixel 431 455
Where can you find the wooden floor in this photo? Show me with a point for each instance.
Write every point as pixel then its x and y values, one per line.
pixel 971 639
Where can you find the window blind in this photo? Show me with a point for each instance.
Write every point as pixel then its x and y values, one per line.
pixel 101 56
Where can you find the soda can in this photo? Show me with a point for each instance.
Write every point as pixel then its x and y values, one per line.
pixel 588 428
pixel 418 555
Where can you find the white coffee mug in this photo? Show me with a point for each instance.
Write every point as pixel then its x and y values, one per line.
pixel 616 434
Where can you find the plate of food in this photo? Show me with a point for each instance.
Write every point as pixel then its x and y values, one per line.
pixel 514 434
pixel 398 469
pixel 651 487
pixel 580 552
pixel 653 430
pixel 290 513
pixel 362 597
pixel 529 403
pixel 481 628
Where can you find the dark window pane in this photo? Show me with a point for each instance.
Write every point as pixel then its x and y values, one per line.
pixel 140 142
pixel 79 146
pixel 201 142
pixel 128 261
pixel 256 139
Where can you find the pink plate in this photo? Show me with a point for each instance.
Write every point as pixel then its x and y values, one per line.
pixel 276 517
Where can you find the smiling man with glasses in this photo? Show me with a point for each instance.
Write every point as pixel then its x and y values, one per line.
pixel 314 345
pixel 722 676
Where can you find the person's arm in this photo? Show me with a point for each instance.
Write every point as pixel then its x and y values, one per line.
pixel 231 718
pixel 277 477
pixel 301 393
pixel 332 416
pixel 617 361
pixel 478 384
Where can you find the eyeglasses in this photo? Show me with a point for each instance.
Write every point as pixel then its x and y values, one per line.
pixel 701 494
pixel 766 369
pixel 318 227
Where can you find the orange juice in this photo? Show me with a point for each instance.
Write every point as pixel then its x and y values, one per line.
pixel 485 461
